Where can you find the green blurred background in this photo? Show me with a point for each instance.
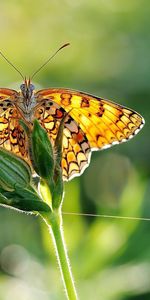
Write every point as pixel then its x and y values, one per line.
pixel 108 57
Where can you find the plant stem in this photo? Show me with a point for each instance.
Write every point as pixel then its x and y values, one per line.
pixel 54 221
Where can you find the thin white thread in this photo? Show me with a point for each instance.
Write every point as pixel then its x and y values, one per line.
pixel 106 216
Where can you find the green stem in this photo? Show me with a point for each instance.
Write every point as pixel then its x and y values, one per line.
pixel 54 221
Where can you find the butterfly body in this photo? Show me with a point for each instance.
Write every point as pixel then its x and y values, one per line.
pixel 92 123
pixel 26 100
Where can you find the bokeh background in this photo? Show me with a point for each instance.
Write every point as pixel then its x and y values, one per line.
pixel 109 56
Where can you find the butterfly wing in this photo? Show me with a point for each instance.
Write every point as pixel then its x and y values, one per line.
pixel 100 122
pixel 76 148
pixel 7 94
pixel 12 136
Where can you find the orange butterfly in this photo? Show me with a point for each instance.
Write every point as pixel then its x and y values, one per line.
pixel 92 123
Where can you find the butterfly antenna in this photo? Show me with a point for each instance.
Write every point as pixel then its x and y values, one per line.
pixel 9 62
pixel 47 61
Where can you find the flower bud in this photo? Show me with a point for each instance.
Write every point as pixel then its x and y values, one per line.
pixel 58 179
pixel 41 152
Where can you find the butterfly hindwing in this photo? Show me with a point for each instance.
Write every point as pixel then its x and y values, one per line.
pixel 76 148
pixel 12 135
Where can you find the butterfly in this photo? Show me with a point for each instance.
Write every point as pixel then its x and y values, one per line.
pixel 92 123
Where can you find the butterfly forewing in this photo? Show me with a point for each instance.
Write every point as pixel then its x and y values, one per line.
pixel 103 122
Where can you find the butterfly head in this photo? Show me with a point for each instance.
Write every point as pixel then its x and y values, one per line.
pixel 27 89
pixel 27 95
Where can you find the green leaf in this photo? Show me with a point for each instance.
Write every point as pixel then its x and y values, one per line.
pixel 13 170
pixel 23 199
